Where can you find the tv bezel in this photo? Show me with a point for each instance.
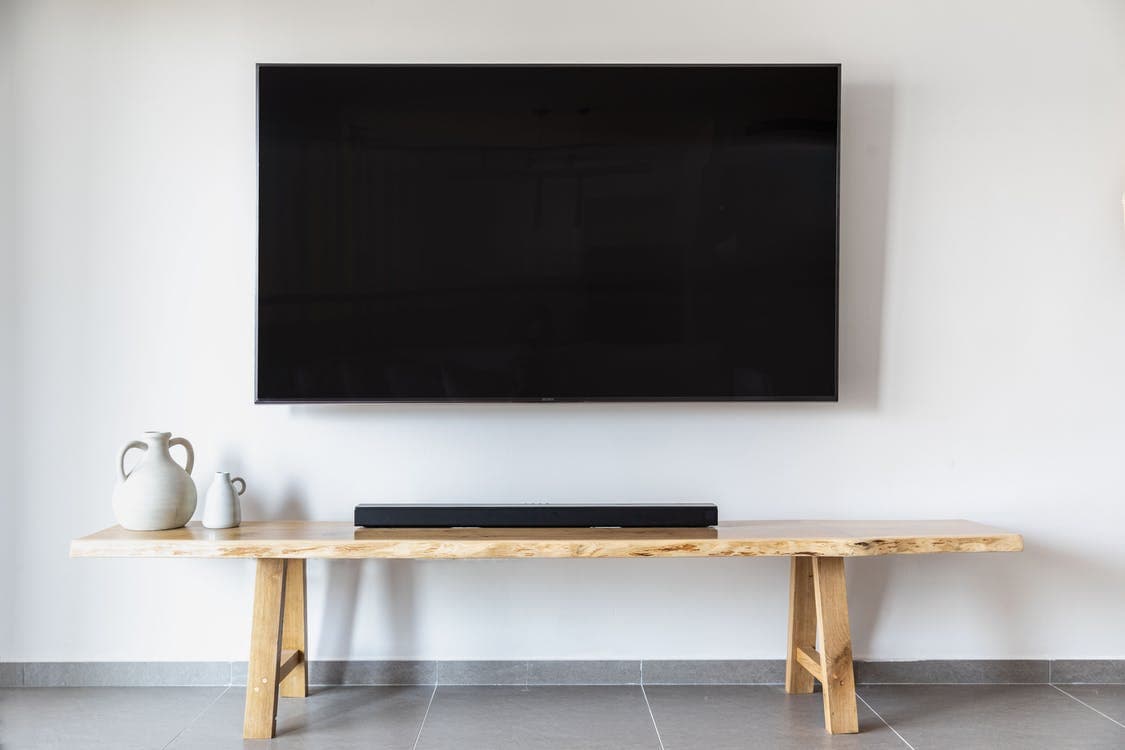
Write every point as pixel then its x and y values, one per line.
pixel 833 397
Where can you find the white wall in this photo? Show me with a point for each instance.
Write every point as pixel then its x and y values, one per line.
pixel 982 340
pixel 9 397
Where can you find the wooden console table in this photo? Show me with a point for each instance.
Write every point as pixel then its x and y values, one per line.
pixel 817 593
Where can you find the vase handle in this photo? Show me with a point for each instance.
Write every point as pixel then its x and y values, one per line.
pixel 241 481
pixel 121 458
pixel 187 447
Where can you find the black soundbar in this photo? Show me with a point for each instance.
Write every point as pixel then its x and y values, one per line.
pixel 446 515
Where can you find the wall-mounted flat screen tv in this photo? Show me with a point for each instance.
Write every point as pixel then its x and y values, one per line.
pixel 547 233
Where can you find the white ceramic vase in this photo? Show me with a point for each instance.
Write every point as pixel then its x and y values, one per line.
pixel 157 494
pixel 221 509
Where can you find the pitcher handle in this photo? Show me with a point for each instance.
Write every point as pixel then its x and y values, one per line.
pixel 121 458
pixel 187 447
pixel 240 480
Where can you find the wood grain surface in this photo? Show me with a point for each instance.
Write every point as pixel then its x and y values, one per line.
pixel 836 675
pixel 294 629
pixel 263 672
pixel 802 628
pixel 327 539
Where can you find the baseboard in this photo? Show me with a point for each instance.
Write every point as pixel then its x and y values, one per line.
pixel 611 672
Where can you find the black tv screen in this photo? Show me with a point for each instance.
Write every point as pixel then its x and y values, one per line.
pixel 547 233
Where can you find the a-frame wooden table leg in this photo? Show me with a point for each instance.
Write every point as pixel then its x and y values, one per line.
pixel 838 678
pixel 802 624
pixel 293 630
pixel 832 664
pixel 264 671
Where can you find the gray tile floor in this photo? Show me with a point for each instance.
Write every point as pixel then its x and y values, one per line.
pixel 715 717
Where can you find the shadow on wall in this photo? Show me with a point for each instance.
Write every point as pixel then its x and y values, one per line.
pixel 341 596
pixel 984 584
pixel 866 128
pixel 292 506
pixel 868 583
pixel 341 583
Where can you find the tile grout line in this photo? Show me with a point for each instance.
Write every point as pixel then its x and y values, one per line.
pixel 1087 705
pixel 196 717
pixel 418 737
pixel 655 728
pixel 885 722
pixel 161 674
pixel 95 673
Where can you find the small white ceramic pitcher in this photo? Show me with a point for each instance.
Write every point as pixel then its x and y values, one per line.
pixel 157 493
pixel 222 509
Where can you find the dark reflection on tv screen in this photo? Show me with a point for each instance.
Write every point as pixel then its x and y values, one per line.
pixel 452 233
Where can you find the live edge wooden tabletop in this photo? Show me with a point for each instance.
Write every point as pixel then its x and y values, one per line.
pixel 817 594
pixel 322 539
